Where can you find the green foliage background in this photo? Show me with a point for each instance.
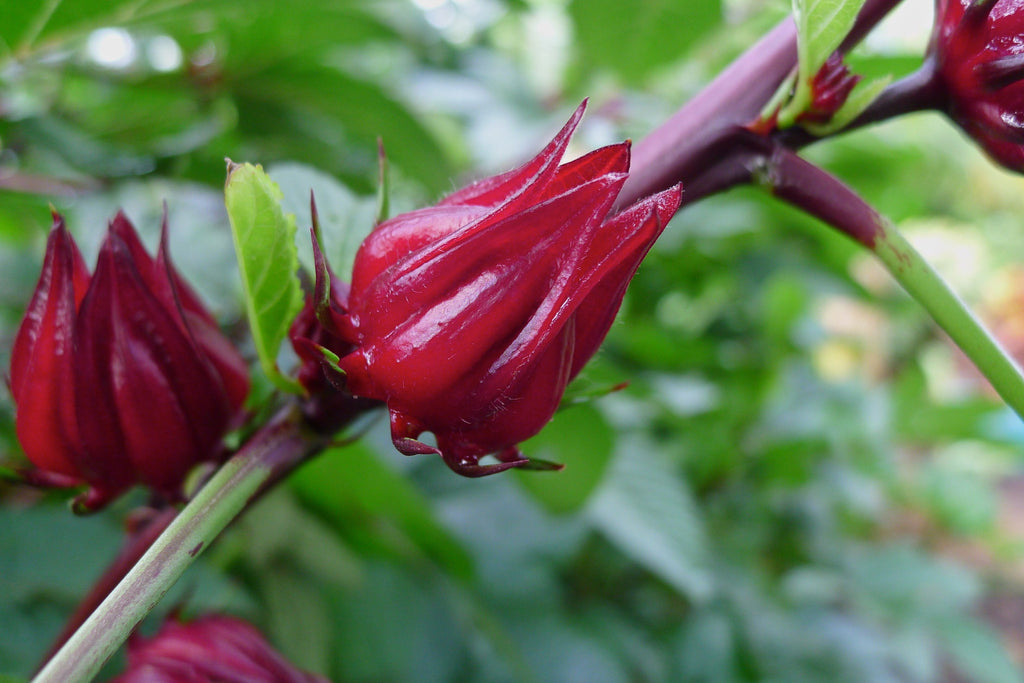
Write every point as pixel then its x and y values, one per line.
pixel 802 482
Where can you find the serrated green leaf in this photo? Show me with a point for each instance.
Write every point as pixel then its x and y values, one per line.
pixel 265 246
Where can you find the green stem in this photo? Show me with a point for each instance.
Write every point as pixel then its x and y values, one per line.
pixel 277 447
pixel 952 315
pixel 820 194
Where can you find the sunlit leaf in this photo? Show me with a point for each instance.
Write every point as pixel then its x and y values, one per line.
pixel 267 258
pixel 821 27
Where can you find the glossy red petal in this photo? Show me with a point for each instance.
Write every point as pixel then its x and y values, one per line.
pixel 471 317
pixel 475 300
pixel 566 290
pixel 136 359
pixel 177 296
pixel 979 57
pixel 612 159
pixel 395 239
pixel 42 355
pixel 507 187
pixel 640 224
pixel 212 649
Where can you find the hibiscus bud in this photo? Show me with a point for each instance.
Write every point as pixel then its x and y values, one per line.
pixel 471 317
pixel 979 61
pixel 829 89
pixel 120 377
pixel 212 649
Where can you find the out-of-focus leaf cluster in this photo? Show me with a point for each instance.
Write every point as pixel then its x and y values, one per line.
pixel 802 481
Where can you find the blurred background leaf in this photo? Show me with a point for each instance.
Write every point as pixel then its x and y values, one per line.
pixel 802 481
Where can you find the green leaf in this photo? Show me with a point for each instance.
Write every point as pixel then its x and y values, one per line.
pixel 26 23
pixel 647 510
pixel 48 560
pixel 157 115
pixel 582 440
pixel 706 648
pixel 397 626
pixel 279 531
pixel 634 38
pixel 299 618
pixel 360 110
pixel 257 30
pixel 265 247
pixel 373 505
pixel 977 652
pixel 821 26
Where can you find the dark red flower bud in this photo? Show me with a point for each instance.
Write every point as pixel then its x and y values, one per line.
pixel 121 377
pixel 829 90
pixel 472 316
pixel 212 649
pixel 978 48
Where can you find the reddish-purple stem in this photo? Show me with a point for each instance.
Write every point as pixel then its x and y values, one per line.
pixel 295 442
pixel 820 194
pixel 705 144
pixel 698 135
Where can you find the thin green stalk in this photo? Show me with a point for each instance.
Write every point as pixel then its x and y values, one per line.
pixel 39 21
pixel 820 194
pixel 276 447
pixel 952 315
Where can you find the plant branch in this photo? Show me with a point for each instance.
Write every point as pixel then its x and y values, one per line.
pixel 279 446
pixel 134 547
pixel 43 185
pixel 820 194
pixel 917 91
pixel 687 142
pixel 702 137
